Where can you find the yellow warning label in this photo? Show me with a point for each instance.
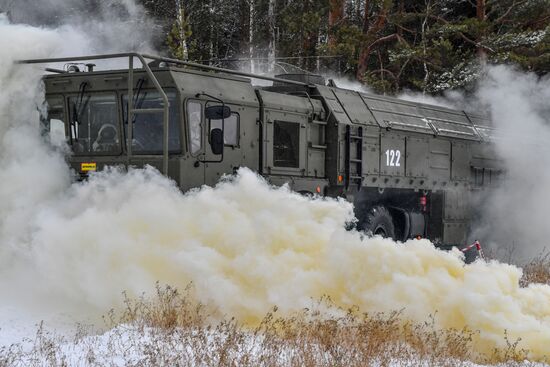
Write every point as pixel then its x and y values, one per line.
pixel 87 167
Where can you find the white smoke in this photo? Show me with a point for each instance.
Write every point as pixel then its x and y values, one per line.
pixel 451 99
pixel 30 172
pixel 34 176
pixel 512 214
pixel 345 83
pixel 104 25
pixel 515 215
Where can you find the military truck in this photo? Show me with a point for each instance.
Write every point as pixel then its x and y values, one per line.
pixel 409 168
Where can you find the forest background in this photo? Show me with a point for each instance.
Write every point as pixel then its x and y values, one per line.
pixel 425 45
pixel 389 45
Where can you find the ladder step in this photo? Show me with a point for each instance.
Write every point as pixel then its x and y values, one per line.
pixel 355 177
pixel 356 160
pixel 356 137
pixel 315 146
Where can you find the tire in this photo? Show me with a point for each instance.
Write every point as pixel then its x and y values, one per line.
pixel 307 194
pixel 378 222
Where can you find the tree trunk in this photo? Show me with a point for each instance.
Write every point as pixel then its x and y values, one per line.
pixel 366 19
pixel 371 38
pixel 365 50
pixel 251 36
pixel 481 11
pixel 424 47
pixel 182 35
pixel 272 35
pixel 401 11
pixel 335 16
pixel 243 27
pixel 212 33
pixel 306 41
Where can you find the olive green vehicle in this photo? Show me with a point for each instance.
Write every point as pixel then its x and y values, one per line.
pixel 409 168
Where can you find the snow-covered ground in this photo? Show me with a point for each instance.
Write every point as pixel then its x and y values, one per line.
pixel 128 345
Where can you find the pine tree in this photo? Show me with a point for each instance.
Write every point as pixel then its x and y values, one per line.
pixel 426 45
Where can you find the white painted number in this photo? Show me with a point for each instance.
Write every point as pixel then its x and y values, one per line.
pixel 393 158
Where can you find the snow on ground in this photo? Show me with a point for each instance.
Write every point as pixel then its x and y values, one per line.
pixel 127 345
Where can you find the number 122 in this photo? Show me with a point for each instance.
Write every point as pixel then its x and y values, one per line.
pixel 393 158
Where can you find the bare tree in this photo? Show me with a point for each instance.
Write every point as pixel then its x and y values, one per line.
pixel 272 35
pixel 182 23
pixel 251 35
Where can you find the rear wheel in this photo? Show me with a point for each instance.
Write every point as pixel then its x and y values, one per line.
pixel 378 222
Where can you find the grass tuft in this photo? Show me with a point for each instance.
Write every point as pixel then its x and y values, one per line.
pixel 537 270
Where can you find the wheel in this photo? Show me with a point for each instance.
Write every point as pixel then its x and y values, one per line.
pixel 378 222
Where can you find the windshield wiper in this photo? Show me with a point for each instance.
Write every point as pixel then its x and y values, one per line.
pixel 77 111
pixel 137 102
pixel 137 95
pixel 139 86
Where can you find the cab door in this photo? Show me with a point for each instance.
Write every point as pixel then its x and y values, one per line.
pixel 231 157
pixel 240 139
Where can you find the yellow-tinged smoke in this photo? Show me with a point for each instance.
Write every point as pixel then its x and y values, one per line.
pixel 247 247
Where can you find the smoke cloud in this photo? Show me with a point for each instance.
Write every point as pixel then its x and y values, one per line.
pixel 30 172
pixel 103 25
pixel 450 99
pixel 511 217
pixel 515 216
pixel 245 246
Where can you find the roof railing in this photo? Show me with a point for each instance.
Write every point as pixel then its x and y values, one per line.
pixel 164 59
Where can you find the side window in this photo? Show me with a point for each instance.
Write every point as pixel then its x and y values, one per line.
pixel 286 144
pixel 94 124
pixel 57 132
pixel 194 121
pixel 148 128
pixel 477 174
pixel 54 123
pixel 231 132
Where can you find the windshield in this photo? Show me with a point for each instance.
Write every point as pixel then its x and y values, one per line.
pixel 148 128
pixel 94 124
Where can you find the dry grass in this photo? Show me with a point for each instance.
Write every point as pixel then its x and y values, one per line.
pixel 537 270
pixel 173 330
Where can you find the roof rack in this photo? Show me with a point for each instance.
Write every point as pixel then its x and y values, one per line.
pixel 144 57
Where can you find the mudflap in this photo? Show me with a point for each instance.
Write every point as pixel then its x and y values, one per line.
pixel 469 256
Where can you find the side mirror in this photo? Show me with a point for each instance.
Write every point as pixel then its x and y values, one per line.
pixel 217 112
pixel 216 141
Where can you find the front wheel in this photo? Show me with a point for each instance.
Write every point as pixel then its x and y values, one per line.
pixel 378 222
